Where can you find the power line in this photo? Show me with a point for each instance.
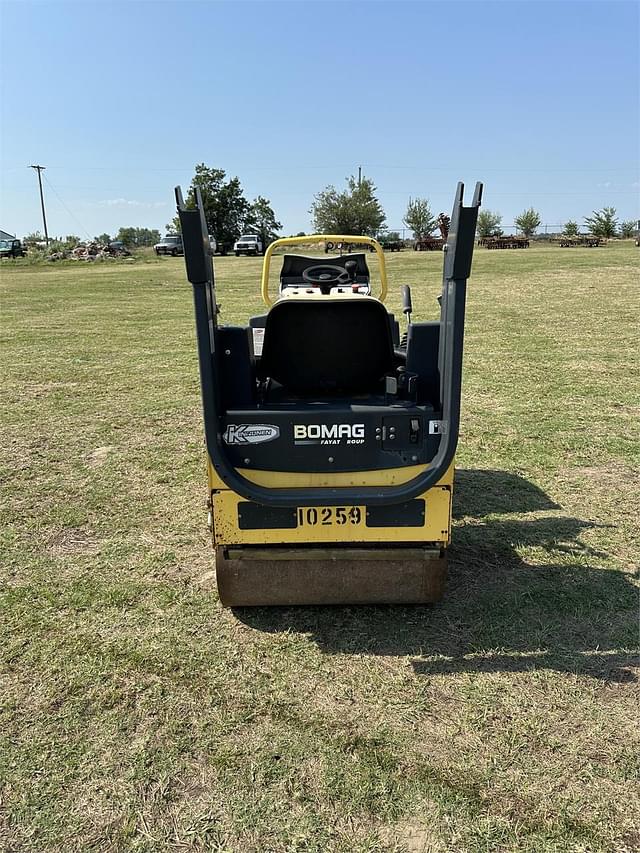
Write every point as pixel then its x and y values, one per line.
pixel 39 170
pixel 75 219
pixel 142 168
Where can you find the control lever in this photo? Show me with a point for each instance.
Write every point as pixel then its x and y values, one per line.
pixel 351 267
pixel 406 310
pixel 406 302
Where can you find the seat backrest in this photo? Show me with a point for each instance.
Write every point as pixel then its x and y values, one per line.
pixel 325 346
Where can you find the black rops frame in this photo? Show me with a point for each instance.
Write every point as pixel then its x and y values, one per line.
pixel 457 268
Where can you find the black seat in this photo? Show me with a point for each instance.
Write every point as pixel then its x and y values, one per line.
pixel 294 265
pixel 316 346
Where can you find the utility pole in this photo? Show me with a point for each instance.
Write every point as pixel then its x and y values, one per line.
pixel 359 175
pixel 39 169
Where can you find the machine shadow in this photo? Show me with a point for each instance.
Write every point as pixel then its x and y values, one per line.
pixel 500 612
pixel 479 493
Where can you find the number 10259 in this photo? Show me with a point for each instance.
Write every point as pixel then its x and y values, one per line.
pixel 310 516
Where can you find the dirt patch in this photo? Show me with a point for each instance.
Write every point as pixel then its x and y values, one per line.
pixel 99 456
pixel 605 474
pixel 207 580
pixel 41 389
pixel 630 842
pixel 412 836
pixel 72 540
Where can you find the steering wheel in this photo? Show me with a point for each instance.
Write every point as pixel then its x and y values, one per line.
pixel 326 276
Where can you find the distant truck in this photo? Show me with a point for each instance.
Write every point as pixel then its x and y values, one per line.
pixel 391 244
pixel 218 247
pixel 249 244
pixel 169 245
pixel 12 249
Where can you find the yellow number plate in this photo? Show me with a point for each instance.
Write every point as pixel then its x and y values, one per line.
pixel 330 516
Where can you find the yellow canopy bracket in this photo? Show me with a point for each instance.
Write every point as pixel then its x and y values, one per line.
pixel 322 238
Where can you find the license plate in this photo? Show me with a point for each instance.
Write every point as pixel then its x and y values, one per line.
pixel 325 516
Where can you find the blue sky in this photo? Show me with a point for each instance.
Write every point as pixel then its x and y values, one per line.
pixel 120 100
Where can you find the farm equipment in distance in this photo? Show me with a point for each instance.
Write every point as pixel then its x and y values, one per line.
pixel 343 245
pixel 330 439
pixel 583 240
pixel 504 242
pixel 391 243
pixel 429 243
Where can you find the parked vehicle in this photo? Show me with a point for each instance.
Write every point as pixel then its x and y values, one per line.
pixel 169 245
pixel 117 247
pixel 391 244
pixel 345 247
pixel 12 249
pixel 249 244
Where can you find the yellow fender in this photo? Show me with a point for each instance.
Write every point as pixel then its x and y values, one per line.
pixel 321 238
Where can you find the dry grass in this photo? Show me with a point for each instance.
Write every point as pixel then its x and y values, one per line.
pixel 136 715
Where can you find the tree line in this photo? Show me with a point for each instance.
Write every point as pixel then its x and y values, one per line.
pixel 601 223
pixel 355 210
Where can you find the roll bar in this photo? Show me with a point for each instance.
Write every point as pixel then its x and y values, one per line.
pixel 457 268
pixel 322 238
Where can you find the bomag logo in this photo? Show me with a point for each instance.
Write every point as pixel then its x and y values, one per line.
pixel 328 433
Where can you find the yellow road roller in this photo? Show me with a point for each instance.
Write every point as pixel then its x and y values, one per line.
pixel 330 435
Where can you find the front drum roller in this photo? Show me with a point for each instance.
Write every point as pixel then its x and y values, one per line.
pixel 261 576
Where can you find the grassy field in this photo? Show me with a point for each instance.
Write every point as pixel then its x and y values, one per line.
pixel 137 715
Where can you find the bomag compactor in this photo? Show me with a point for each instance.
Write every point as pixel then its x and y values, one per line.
pixel 330 438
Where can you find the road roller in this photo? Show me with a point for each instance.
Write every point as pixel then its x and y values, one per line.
pixel 330 424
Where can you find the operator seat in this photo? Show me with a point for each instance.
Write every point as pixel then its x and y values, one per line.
pixel 332 346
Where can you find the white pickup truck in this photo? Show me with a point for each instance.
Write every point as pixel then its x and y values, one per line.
pixel 169 245
pixel 249 244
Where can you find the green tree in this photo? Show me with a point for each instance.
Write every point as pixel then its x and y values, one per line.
pixel 103 238
pixel 570 228
pixel 62 244
pixel 419 218
pixel 602 223
pixel 225 208
pixel 489 224
pixel 127 236
pixel 528 222
pixel 147 236
pixel 262 219
pixel 33 238
pixel 355 210
pixel 138 236
pixel 627 229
